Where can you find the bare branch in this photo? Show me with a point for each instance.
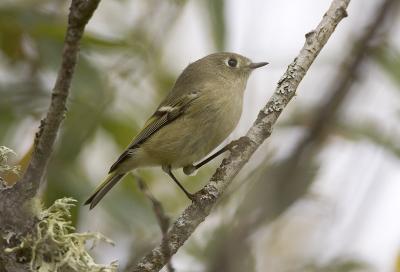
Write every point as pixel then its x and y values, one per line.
pixel 80 13
pixel 261 129
pixel 16 217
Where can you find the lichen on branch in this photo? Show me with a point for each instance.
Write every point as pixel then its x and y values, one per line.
pixel 5 167
pixel 54 246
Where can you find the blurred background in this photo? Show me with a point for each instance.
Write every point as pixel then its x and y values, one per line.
pixel 323 192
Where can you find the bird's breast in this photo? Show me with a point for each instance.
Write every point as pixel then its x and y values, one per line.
pixel 205 124
pixel 215 120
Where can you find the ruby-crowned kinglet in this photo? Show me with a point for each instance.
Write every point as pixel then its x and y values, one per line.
pixel 201 110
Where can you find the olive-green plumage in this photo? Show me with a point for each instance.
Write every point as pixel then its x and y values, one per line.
pixel 201 110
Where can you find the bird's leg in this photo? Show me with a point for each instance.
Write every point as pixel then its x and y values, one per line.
pixel 191 168
pixel 167 169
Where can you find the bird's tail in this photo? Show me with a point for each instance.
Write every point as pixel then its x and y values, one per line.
pixel 103 188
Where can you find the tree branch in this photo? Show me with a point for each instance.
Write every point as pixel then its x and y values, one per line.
pixel 26 188
pixel 290 180
pixel 16 217
pixel 261 129
pixel 80 13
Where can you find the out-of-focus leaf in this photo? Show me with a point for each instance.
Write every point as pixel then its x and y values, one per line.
pixel 164 80
pixel 216 13
pixel 121 130
pixel 23 98
pixel 370 132
pixel 339 265
pixel 89 95
pixel 278 186
pixel 11 33
pixel 126 194
pixel 46 31
pixel 222 252
pixel 389 59
pixel 56 31
pixel 355 132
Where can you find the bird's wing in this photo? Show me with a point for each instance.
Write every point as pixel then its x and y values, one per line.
pixel 165 114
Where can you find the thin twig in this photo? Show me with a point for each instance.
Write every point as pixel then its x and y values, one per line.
pixel 261 129
pixel 163 220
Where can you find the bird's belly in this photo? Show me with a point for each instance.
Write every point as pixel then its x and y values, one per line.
pixel 185 140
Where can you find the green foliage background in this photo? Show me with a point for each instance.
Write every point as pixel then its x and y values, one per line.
pixel 118 80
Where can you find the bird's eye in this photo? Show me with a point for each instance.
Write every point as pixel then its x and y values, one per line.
pixel 232 62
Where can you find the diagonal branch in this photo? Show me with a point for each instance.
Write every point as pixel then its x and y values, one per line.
pixel 290 179
pixel 261 129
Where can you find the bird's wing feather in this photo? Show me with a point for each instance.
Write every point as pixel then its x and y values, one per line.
pixel 165 114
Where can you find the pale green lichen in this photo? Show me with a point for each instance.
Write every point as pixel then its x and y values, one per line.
pixel 277 105
pixel 5 168
pixel 54 246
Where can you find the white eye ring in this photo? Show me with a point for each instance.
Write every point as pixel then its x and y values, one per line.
pixel 232 62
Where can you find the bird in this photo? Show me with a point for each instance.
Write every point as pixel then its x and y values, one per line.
pixel 200 111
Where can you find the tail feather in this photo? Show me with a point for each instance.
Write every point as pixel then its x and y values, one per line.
pixel 103 188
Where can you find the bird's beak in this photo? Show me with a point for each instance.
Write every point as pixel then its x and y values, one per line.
pixel 256 65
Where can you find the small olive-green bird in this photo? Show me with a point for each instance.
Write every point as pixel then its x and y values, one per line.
pixel 201 110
